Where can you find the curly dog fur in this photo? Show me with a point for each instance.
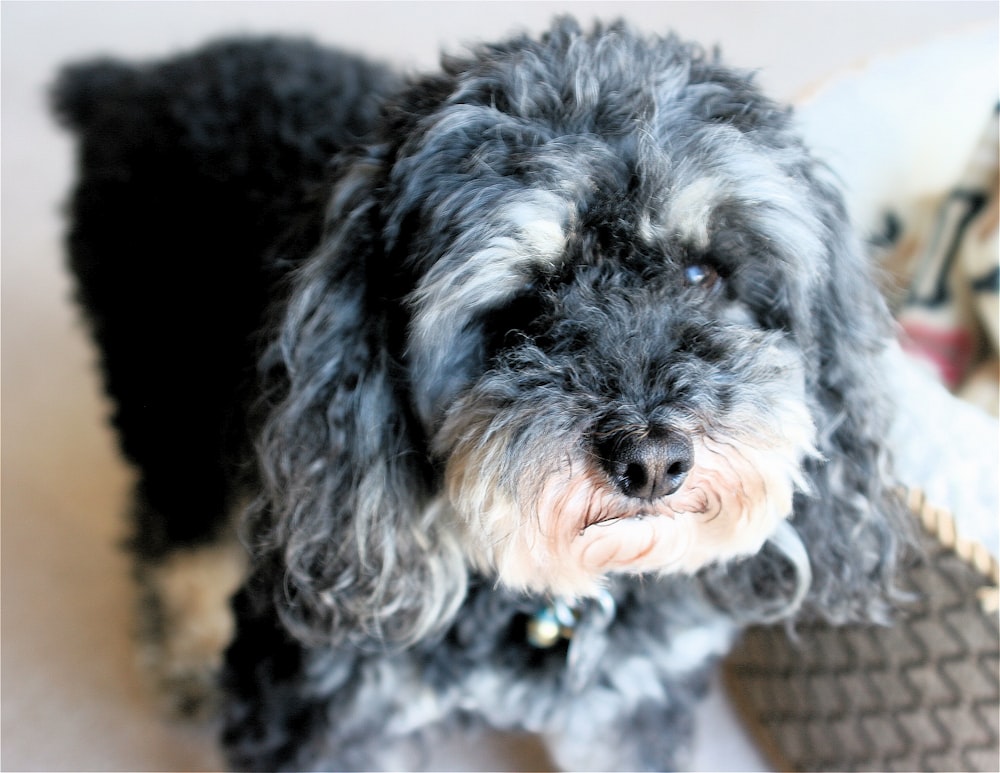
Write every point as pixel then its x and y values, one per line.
pixel 542 376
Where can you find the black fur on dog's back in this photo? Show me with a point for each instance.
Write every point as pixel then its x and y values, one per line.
pixel 201 181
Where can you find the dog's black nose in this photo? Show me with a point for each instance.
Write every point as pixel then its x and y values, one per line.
pixel 647 466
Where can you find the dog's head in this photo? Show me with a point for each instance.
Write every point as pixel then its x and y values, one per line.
pixel 585 306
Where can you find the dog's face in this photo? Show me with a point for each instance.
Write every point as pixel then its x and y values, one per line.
pixel 621 402
pixel 601 339
pixel 608 295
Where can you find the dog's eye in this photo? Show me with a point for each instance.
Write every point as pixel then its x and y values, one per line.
pixel 701 275
pixel 507 324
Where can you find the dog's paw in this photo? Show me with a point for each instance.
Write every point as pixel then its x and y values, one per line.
pixel 185 625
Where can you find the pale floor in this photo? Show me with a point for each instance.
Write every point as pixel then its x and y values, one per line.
pixel 70 696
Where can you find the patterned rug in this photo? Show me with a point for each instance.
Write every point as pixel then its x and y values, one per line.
pixel 922 695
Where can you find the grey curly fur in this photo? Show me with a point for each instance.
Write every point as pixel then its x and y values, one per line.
pixel 554 249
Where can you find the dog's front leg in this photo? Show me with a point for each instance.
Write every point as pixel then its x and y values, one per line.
pixel 607 729
pixel 271 720
pixel 289 706
pixel 184 621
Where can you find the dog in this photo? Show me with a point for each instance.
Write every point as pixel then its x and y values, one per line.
pixel 525 385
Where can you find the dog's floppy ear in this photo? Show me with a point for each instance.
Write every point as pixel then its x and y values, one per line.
pixel 852 522
pixel 840 557
pixel 345 512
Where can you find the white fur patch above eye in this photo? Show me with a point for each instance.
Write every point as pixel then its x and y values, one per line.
pixel 760 184
pixel 491 259
pixel 541 226
pixel 690 210
pixel 484 268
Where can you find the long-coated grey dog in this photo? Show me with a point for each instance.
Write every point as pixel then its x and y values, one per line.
pixel 535 379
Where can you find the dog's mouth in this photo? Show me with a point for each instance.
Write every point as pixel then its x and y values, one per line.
pixel 606 520
pixel 610 519
pixel 607 507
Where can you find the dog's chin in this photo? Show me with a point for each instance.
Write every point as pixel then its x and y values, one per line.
pixel 577 530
